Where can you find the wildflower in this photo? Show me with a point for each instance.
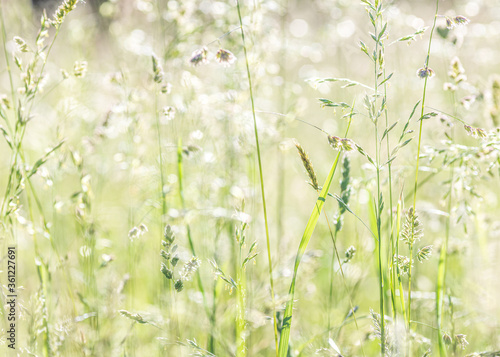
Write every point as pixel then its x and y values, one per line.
pixel 461 341
pixel 199 56
pixel 424 253
pixel 225 57
pixel 425 72
pixel 22 46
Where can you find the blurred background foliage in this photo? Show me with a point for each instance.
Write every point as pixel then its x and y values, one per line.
pixel 104 180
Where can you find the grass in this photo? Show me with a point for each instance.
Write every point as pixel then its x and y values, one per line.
pixel 158 204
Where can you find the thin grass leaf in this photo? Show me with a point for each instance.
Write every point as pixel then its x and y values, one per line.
pixel 349 82
pixel 403 133
pixel 306 237
pixel 386 79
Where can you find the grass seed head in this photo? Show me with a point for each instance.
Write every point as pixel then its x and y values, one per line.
pixel 447 339
pixel 403 263
pixel 413 228
pixel 225 57
pixel 308 166
pixel 22 46
pixel 175 260
pixel 168 234
pixel 64 9
pixel 461 20
pixel 335 142
pixel 136 317
pixel 424 253
pixel 349 253
pixel 457 71
pixel 190 268
pixel 199 56
pixel 157 69
pixel 165 254
pixel 179 285
pixel 169 274
pixel 425 72
pixel 80 69
pixel 461 341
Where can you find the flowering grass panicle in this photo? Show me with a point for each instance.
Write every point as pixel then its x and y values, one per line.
pixel 308 166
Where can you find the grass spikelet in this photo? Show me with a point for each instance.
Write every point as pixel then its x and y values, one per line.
pixel 308 166
pixel 424 253
pixel 199 56
pixel 225 57
pixel 62 11
pixel 345 192
pixel 135 317
pixel 133 134
pixel 412 229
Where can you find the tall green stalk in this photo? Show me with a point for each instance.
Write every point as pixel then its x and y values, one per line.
pixel 374 115
pixel 418 161
pixel 264 207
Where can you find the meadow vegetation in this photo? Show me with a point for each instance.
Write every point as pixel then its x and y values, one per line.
pixel 251 178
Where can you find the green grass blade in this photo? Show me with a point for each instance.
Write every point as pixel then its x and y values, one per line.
pixel 306 237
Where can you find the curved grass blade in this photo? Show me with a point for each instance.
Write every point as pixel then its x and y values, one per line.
pixel 306 237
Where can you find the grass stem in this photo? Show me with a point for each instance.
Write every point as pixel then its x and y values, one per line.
pixel 264 208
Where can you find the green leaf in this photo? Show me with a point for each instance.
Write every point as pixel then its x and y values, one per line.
pixel 386 131
pixel 386 79
pixel 6 136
